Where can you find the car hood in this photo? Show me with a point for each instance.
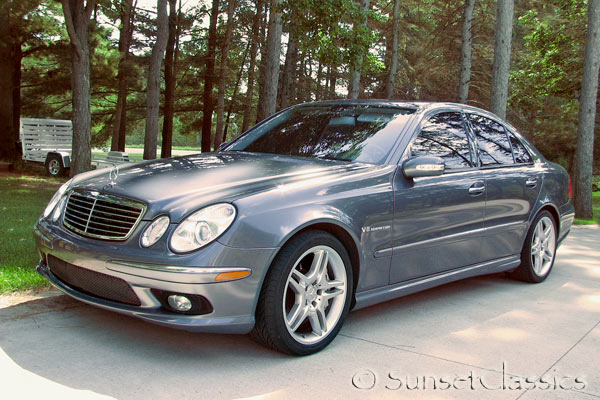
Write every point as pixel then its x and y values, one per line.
pixel 181 185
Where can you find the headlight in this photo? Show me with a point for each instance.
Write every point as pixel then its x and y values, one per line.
pixel 59 209
pixel 157 228
pixel 56 198
pixel 202 227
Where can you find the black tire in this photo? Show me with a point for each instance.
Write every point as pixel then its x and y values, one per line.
pixel 527 271
pixel 54 165
pixel 271 328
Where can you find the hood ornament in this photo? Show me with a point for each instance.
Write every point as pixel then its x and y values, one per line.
pixel 112 177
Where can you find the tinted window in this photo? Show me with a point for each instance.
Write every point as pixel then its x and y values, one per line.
pixel 521 154
pixel 494 146
pixel 444 135
pixel 348 133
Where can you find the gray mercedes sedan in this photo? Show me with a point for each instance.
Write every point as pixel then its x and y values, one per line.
pixel 322 208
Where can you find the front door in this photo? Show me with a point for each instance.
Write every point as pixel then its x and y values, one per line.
pixel 438 220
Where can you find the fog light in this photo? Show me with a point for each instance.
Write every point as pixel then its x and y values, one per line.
pixel 180 303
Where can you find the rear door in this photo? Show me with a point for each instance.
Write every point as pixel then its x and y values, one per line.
pixel 438 220
pixel 513 184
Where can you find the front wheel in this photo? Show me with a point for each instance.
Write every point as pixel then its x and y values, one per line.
pixel 306 295
pixel 539 250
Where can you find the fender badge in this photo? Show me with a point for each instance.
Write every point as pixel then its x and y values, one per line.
pixel 368 229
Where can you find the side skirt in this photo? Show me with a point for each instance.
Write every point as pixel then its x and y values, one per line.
pixel 379 295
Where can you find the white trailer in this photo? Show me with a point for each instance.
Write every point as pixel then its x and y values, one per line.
pixel 48 141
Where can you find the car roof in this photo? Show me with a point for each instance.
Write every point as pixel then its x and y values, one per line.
pixel 419 106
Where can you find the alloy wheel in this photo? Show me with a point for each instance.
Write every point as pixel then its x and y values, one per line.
pixel 543 246
pixel 314 295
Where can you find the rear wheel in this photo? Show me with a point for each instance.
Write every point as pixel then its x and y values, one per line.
pixel 539 251
pixel 306 295
pixel 54 165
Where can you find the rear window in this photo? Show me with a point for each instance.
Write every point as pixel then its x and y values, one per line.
pixel 494 144
pixel 522 156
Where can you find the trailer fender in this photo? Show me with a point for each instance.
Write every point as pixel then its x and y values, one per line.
pixel 64 156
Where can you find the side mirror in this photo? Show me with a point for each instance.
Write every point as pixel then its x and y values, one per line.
pixel 423 166
pixel 222 146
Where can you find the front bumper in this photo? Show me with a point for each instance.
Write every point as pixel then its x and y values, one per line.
pixel 233 302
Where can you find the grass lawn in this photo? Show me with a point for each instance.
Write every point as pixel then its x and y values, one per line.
pixel 596 206
pixel 22 201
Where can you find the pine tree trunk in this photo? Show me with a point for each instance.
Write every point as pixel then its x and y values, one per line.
pixel 209 79
pixel 354 81
pixel 318 93
pixel 263 59
pixel 255 39
pixel 466 55
pixel 9 132
pixel 153 87
pixel 235 92
pixel 268 104
pixel 501 68
pixel 77 19
pixel 10 88
pixel 389 88
pixel 172 41
pixel 332 82
pixel 124 40
pixel 289 71
pixel 222 80
pixel 584 156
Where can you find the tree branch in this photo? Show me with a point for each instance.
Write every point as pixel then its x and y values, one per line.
pixel 89 8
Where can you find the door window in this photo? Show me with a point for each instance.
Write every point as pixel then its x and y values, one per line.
pixel 494 145
pixel 444 136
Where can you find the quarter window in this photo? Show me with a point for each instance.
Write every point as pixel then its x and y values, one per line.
pixel 494 146
pixel 444 135
pixel 521 154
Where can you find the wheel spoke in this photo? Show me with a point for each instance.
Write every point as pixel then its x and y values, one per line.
pixel 547 255
pixel 327 284
pixel 318 267
pixel 332 294
pixel 297 315
pixel 300 277
pixel 548 232
pixel 537 234
pixel 537 263
pixel 297 287
pixel 318 321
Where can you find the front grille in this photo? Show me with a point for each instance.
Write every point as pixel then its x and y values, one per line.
pixel 93 283
pixel 102 216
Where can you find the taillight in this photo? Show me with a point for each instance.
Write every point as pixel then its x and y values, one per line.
pixel 570 188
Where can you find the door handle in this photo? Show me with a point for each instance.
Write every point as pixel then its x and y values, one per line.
pixel 531 183
pixel 476 189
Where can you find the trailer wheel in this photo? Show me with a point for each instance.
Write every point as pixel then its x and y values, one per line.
pixel 54 165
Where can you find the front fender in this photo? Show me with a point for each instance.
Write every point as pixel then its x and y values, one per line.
pixel 273 228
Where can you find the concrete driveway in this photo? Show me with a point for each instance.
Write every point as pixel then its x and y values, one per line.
pixel 488 337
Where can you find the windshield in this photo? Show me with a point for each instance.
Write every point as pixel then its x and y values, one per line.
pixel 348 133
